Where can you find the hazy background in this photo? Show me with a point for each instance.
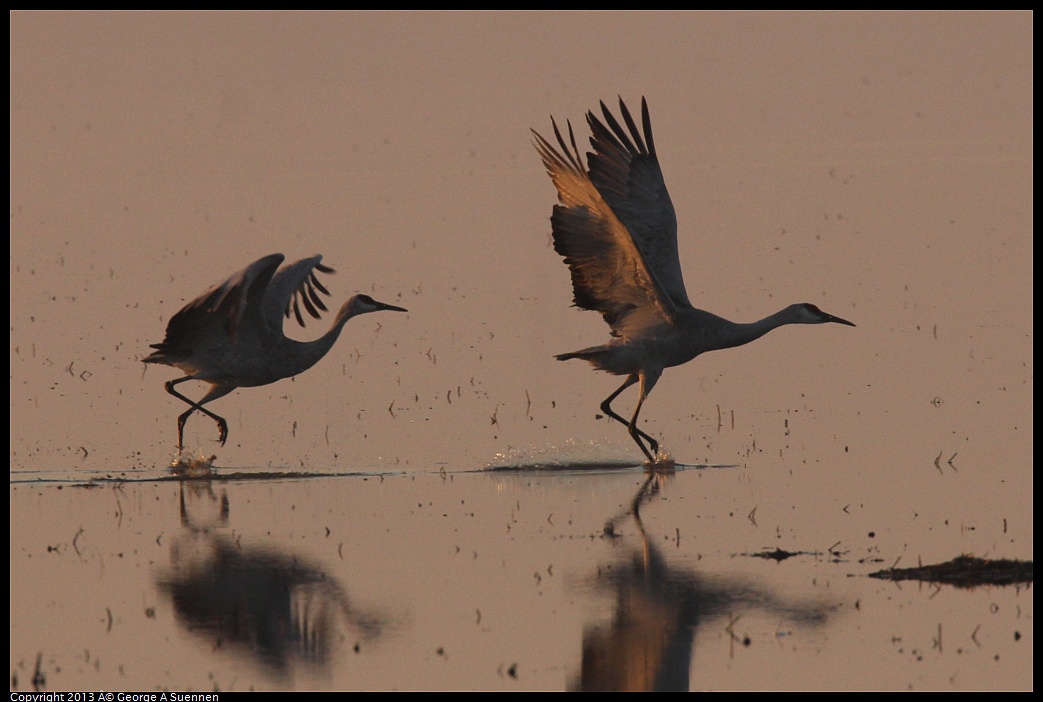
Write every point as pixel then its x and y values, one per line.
pixel 878 165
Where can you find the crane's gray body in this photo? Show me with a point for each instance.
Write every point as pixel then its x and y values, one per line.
pixel 232 336
pixel 617 231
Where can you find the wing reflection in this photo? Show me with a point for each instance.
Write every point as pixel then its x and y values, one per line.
pixel 648 644
pixel 264 602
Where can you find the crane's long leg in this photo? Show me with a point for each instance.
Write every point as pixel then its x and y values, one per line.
pixel 648 381
pixel 606 406
pixel 215 392
pixel 646 387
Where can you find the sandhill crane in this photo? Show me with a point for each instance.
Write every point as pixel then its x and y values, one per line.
pixel 617 231
pixel 231 336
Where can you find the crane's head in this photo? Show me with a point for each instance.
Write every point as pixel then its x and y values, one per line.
pixel 361 304
pixel 807 313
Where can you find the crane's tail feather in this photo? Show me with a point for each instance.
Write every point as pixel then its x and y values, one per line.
pixel 591 354
pixel 598 356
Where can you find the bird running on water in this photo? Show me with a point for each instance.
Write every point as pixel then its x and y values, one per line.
pixel 232 337
pixel 617 231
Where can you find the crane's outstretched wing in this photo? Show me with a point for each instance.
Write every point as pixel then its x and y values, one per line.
pixel 610 274
pixel 223 312
pixel 295 285
pixel 626 172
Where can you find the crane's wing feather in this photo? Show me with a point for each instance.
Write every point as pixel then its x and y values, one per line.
pixel 625 170
pixel 610 273
pixel 293 286
pixel 224 311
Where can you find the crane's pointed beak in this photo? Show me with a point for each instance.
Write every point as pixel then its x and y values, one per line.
pixel 393 308
pixel 838 320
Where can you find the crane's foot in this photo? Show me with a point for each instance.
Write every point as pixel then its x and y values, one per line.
pixel 657 458
pixel 193 467
pixel 649 454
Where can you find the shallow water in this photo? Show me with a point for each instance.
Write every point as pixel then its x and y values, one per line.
pixel 477 580
pixel 378 522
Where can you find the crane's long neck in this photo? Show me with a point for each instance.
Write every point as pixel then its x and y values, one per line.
pixel 302 355
pixel 739 334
